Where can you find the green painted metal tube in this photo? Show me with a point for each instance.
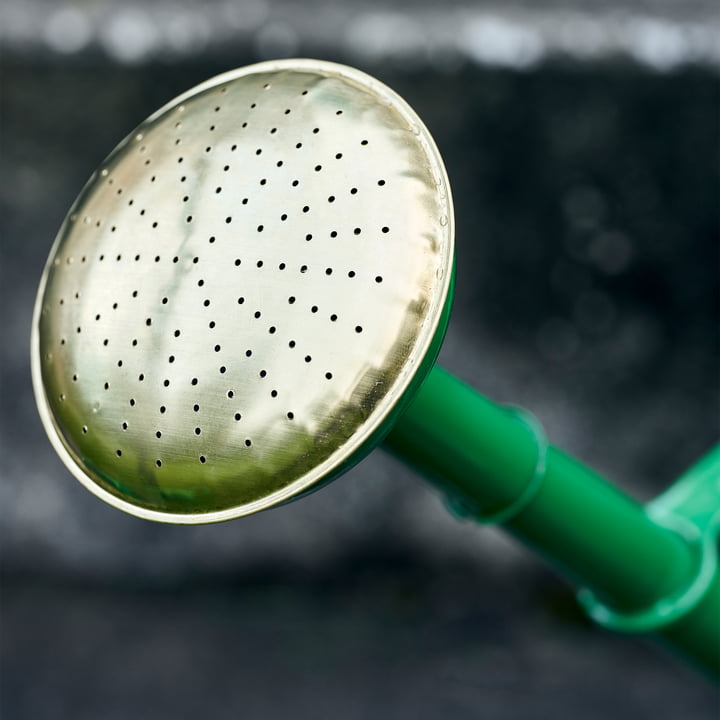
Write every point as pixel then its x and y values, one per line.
pixel 696 634
pixel 494 465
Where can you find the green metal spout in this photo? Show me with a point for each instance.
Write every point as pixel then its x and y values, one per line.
pixel 640 569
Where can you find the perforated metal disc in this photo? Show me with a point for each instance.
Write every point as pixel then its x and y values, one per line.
pixel 243 292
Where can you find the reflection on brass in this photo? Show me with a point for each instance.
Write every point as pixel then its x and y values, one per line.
pixel 242 292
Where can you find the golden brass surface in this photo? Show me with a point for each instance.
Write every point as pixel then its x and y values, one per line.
pixel 242 292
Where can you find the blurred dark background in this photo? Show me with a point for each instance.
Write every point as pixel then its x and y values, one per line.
pixel 582 146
